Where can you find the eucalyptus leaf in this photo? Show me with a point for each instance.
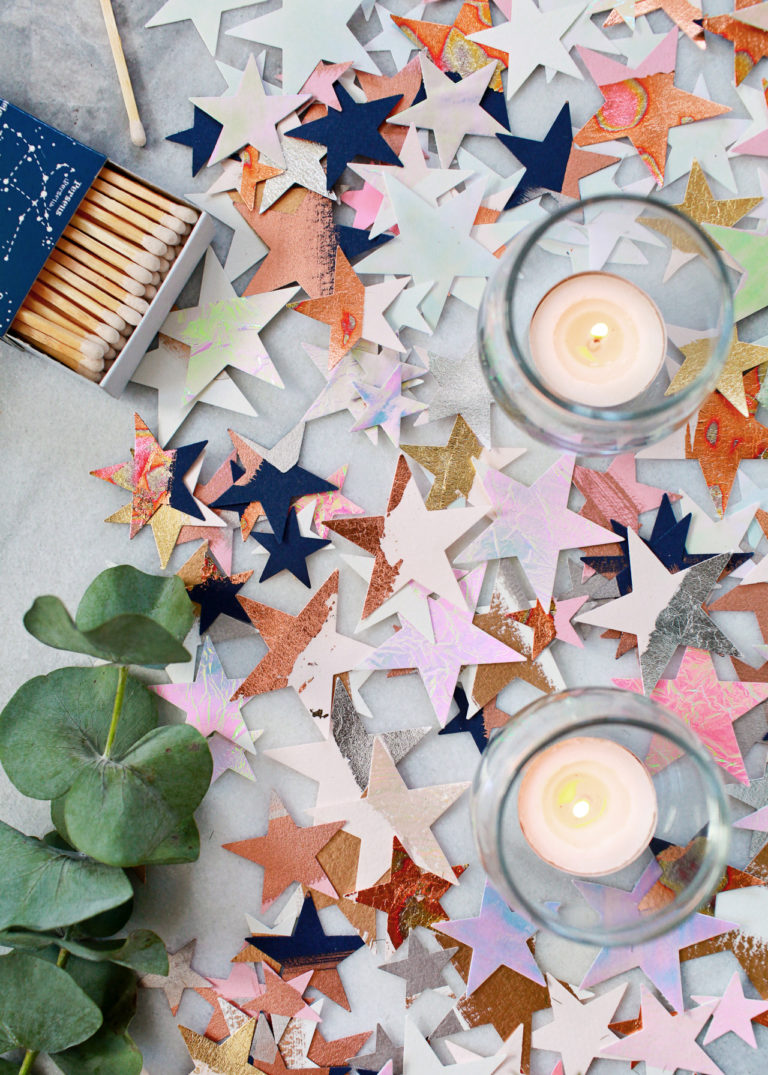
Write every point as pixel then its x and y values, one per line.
pixel 181 846
pixel 6 1067
pixel 121 811
pixel 57 818
pixel 41 1007
pixel 124 616
pixel 113 989
pixel 105 1053
pixel 57 725
pixel 43 888
pixel 106 924
pixel 142 951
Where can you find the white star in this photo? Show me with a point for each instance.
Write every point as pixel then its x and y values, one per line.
pixel 205 14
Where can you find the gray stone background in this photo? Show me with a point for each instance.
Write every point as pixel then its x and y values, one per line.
pixel 55 428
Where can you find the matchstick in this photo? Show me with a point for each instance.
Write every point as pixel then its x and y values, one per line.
pixel 184 212
pixel 122 228
pixel 102 252
pixel 139 220
pixel 101 280
pixel 84 302
pixel 86 367
pixel 75 314
pixel 138 136
pixel 114 242
pixel 152 212
pixel 78 343
pixel 105 300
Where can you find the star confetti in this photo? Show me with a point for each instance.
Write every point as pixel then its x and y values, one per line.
pixel 230 1057
pixel 748 249
pixel 734 1013
pixel 579 1030
pixel 205 14
pixel 741 358
pixel 201 138
pixel 665 1039
pixel 452 465
pixel 289 552
pixel 747 32
pixel 181 976
pixel 307 942
pixel 450 47
pixel 420 967
pixel 330 505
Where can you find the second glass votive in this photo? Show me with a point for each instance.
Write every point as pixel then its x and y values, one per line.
pixel 580 325
pixel 562 796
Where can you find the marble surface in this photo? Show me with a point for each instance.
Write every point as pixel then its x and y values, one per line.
pixel 54 429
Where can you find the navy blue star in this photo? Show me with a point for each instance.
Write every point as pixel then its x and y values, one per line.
pixel 475 725
pixel 308 944
pixel 545 162
pixel 355 242
pixel 291 553
pixel 201 137
pixel 218 597
pixel 274 489
pixel 667 542
pixel 351 132
pixel 179 496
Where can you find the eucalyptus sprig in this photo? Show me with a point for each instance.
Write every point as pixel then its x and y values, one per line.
pixel 123 792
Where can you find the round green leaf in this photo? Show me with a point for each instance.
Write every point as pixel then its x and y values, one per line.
pixel 56 725
pixel 44 888
pixel 113 989
pixel 142 951
pixel 103 1054
pixel 6 1067
pixel 41 1007
pixel 183 845
pixel 122 810
pixel 125 616
pixel 106 924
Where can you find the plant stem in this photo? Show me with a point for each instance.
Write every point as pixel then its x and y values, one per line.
pixel 119 696
pixel 30 1056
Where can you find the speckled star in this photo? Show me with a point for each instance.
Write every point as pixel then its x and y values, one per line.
pixel 420 967
pixel 741 357
pixel 181 976
pixel 331 505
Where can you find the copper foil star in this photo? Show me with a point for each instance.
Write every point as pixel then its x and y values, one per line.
pixel 683 14
pixel 750 43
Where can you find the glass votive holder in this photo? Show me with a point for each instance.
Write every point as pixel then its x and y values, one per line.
pixel 562 795
pixel 578 325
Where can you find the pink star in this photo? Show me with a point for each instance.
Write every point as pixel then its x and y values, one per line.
pixel 242 983
pixel 564 612
pixel 708 706
pixel 616 493
pixel 366 202
pixel 734 1012
pixel 333 505
pixel 667 1041
pixel 320 83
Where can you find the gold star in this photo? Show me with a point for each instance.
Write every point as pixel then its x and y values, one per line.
pixel 702 206
pixel 166 524
pixel 452 464
pixel 741 357
pixel 228 1058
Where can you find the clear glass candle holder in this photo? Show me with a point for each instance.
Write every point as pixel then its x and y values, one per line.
pixel 626 245
pixel 690 800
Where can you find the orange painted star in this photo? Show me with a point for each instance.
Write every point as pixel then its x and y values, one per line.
pixel 750 42
pixel 254 172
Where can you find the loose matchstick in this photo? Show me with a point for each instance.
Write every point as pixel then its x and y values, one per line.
pixel 184 212
pixel 127 267
pixel 138 136
pixel 147 209
pixel 139 220
pixel 122 228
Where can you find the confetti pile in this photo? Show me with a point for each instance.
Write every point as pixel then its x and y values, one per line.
pixel 354 201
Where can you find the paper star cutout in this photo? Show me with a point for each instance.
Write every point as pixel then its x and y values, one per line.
pixel 664 610
pixel 206 700
pixel 226 756
pixel 748 249
pixel 723 437
pixel 223 330
pixel 452 465
pixel 553 164
pixel 245 248
pixel 701 205
pixel 255 171
pixel 335 1053
pixel 741 357
pixel 411 896
pixel 390 40
pixel 420 1059
pixel 451 109
pixel 205 14
pixel 658 959
pixel 457 642
pixel 750 39
pixel 302 169
pixel 686 16
pixel 288 854
pixel 331 505
pixel 165 370
pixel 289 552
pixel 707 705
pixel 308 942
pixel 201 138
pixel 756 796
pixel 353 311
pixel 249 117
pixel 304 41
pixel 642 104
pixel 615 493
pixel 217 596
pixel 386 406
pixel 385 1054
pixel 350 132
pixel 563 612
pixel 734 1013
pixel 420 968
pixel 579 1030
pixel 666 1041
pixel 531 37
pixel 320 83
pixel 474 726
pixel 533 524
pixel 301 243
pixel 180 976
pixel 497 937
pixel 231 1057
pixel 400 558
pixel 450 47
pixel 461 387
pixel 305 651
pixel 433 244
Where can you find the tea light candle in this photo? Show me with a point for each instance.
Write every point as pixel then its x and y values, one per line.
pixel 598 339
pixel 587 806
